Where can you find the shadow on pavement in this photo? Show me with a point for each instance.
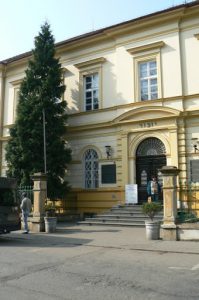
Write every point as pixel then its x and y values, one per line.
pixel 42 240
pixel 60 238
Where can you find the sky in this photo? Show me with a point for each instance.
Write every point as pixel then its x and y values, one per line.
pixel 21 20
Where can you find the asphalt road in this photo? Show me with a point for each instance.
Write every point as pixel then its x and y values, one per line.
pixel 80 262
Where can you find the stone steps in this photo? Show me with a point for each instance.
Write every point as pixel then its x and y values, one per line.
pixel 127 215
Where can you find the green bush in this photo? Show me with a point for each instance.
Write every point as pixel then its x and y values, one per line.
pixel 187 217
pixel 151 209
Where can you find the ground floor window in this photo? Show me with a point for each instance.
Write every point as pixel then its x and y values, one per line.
pixel 91 169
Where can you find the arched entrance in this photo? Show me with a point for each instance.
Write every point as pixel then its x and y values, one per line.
pixel 150 157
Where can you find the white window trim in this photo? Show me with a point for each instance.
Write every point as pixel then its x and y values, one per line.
pixel 143 54
pixel 91 90
pixel 142 59
pixel 16 101
pixel 16 87
pixel 88 68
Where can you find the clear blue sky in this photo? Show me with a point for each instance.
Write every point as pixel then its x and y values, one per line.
pixel 21 20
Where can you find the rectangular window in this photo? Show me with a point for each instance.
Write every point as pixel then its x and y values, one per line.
pixel 147 68
pixel 16 100
pixel 194 170
pixel 91 91
pixel 148 80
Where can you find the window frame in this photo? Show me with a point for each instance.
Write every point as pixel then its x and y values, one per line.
pixel 147 59
pixel 16 89
pixel 92 171
pixel 89 68
pixel 91 90
pixel 148 80
pixel 147 53
pixel 16 101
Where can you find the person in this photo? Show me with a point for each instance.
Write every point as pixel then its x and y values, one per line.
pixel 26 207
pixel 153 189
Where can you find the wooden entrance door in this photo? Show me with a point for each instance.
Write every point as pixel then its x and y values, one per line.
pixel 150 158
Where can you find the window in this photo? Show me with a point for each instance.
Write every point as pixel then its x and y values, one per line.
pixel 16 100
pixel 194 170
pixel 147 71
pixel 148 80
pixel 3 162
pixel 91 169
pixel 91 91
pixel 144 178
pixel 16 87
pixel 90 83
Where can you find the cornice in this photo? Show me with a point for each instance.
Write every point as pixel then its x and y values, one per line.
pixel 16 82
pixel 147 47
pixel 89 63
pixel 146 22
pixel 177 13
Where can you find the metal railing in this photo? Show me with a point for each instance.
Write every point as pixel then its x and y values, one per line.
pixel 28 189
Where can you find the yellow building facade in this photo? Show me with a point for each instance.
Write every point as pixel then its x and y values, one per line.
pixel 133 103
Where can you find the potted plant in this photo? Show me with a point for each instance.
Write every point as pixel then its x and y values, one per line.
pixel 50 219
pixel 152 227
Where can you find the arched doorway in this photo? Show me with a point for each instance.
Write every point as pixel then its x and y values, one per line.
pixel 150 157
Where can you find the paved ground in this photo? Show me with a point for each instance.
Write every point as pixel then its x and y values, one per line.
pixel 97 262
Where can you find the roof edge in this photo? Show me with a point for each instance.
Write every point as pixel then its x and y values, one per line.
pixel 103 30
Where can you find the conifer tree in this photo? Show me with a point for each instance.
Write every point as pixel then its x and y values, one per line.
pixel 40 91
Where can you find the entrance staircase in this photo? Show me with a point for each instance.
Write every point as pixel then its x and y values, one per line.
pixel 121 215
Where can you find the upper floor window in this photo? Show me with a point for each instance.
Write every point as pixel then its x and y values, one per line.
pixel 91 91
pixel 90 83
pixel 15 90
pixel 148 83
pixel 147 71
pixel 16 100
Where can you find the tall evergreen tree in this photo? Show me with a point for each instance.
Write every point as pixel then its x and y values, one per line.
pixel 41 90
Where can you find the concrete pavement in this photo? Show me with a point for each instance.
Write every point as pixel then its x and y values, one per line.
pixel 110 237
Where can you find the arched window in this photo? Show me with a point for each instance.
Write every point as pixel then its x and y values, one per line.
pixel 150 147
pixel 91 169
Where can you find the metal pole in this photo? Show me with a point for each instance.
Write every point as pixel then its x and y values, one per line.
pixel 44 136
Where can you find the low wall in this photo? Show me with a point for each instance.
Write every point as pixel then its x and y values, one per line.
pixel 188 232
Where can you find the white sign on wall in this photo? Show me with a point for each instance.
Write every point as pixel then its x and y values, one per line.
pixel 131 194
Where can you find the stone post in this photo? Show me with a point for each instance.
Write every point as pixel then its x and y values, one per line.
pixel 169 229
pixel 40 194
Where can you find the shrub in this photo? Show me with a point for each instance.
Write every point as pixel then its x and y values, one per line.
pixel 151 209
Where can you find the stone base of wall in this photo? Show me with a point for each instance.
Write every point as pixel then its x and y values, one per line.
pixel 182 232
pixel 188 232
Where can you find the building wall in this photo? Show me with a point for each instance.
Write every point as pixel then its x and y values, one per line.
pixel 122 120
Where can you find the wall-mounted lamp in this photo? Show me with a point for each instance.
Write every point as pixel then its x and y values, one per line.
pixel 195 143
pixel 108 151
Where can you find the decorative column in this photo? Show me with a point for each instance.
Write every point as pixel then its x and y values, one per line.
pixel 40 194
pixel 169 228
